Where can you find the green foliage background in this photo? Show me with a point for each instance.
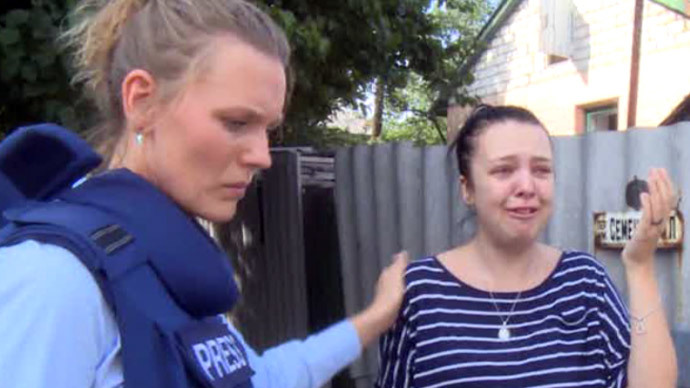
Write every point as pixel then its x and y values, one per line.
pixel 34 80
pixel 339 48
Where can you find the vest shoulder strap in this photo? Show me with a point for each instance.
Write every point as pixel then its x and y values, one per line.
pixel 96 238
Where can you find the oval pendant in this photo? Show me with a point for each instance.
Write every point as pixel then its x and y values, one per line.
pixel 504 333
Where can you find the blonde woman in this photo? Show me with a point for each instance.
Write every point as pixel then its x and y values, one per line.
pixel 187 92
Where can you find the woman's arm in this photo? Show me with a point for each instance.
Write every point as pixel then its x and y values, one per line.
pixel 652 360
pixel 314 361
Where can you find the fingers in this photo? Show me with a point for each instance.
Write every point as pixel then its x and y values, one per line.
pixel 396 269
pixel 646 209
pixel 657 208
pixel 399 264
pixel 401 258
pixel 668 186
pixel 670 190
pixel 666 191
pixel 661 199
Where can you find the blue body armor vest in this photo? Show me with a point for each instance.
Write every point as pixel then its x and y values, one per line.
pixel 165 279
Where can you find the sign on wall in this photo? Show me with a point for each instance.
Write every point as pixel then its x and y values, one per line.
pixel 682 6
pixel 613 229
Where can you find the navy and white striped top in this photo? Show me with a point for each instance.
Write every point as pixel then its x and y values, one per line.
pixel 570 331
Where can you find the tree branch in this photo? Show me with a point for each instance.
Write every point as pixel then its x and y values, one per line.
pixel 430 116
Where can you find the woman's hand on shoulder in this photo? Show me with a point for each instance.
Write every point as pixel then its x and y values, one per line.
pixel 390 289
pixel 388 296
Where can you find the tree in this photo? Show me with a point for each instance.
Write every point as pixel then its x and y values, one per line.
pixel 415 111
pixel 408 116
pixel 342 47
pixel 339 48
pixel 34 77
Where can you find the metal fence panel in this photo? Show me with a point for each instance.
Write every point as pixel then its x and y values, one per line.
pixel 386 200
pixel 270 265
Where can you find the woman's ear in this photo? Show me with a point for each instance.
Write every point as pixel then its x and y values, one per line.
pixel 138 97
pixel 466 191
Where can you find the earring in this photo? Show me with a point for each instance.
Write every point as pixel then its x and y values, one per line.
pixel 139 138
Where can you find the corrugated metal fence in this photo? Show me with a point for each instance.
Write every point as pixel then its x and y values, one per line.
pixel 266 244
pixel 283 244
pixel 396 196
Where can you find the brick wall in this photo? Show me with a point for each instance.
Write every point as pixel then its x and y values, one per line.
pixel 514 70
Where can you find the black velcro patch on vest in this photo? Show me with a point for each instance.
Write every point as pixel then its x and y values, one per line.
pixel 111 238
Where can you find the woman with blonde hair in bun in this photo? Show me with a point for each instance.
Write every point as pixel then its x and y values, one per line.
pixel 186 91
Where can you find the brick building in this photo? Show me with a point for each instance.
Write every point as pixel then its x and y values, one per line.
pixel 569 61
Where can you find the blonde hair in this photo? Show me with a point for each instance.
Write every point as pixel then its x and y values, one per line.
pixel 167 38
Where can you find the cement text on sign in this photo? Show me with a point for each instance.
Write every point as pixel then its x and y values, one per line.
pixel 613 229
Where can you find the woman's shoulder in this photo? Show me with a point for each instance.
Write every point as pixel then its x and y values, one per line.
pixel 423 268
pixel 46 276
pixel 427 262
pixel 428 275
pixel 575 257
pixel 576 263
pixel 50 304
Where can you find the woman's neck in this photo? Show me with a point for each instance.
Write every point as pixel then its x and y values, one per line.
pixel 508 267
pixel 127 154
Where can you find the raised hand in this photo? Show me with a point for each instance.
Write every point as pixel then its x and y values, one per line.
pixel 657 205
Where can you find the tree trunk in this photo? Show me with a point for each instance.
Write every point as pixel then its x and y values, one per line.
pixel 378 108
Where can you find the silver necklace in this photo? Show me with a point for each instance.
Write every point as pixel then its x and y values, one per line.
pixel 504 331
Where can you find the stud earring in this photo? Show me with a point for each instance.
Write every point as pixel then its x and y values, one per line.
pixel 139 138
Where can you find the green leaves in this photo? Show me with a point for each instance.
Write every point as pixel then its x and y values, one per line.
pixel 16 18
pixel 9 36
pixel 341 46
pixel 415 105
pixel 33 76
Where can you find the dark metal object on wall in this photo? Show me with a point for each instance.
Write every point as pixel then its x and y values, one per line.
pixel 632 192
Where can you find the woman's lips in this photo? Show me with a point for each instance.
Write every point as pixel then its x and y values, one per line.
pixel 523 212
pixel 235 190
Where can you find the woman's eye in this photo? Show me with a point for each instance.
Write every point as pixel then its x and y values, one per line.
pixel 234 125
pixel 502 171
pixel 542 171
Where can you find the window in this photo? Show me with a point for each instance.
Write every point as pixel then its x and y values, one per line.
pixel 601 115
pixel 553 59
pixel 601 118
pixel 556 28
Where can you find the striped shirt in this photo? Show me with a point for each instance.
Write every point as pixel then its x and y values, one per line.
pixel 572 330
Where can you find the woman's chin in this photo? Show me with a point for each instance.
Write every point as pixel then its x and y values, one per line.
pixel 522 238
pixel 219 214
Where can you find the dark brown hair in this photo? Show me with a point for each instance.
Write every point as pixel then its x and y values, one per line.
pixel 482 117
